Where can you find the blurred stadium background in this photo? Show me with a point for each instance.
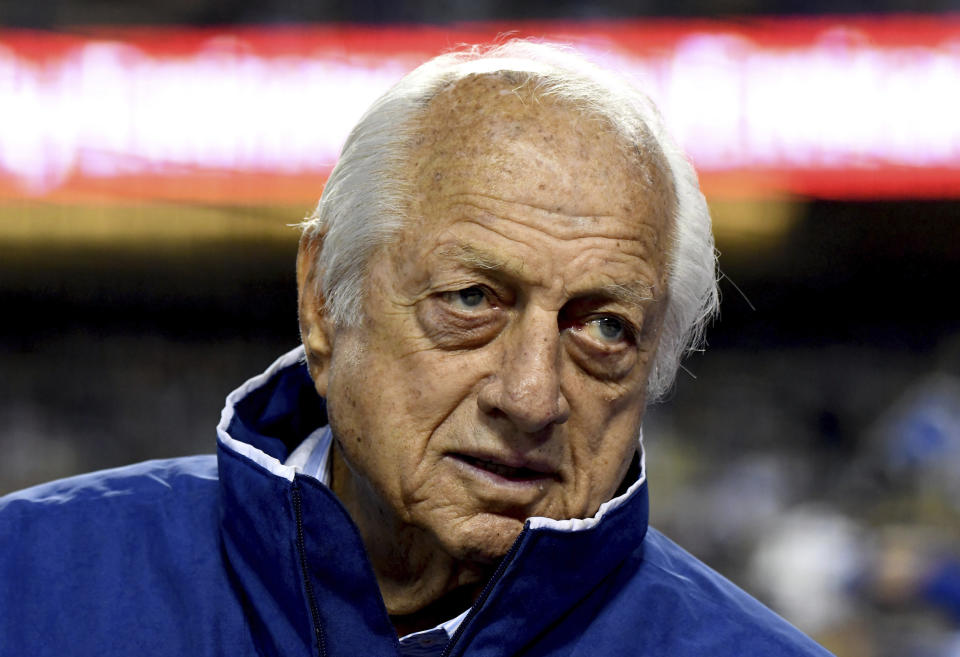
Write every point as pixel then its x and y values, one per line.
pixel 154 155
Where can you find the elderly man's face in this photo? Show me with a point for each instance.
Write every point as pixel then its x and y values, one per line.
pixel 501 369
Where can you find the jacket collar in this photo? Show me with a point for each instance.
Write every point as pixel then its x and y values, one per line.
pixel 300 566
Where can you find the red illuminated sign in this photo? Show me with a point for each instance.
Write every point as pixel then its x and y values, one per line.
pixel 836 108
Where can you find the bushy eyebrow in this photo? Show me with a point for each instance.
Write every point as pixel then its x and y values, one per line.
pixel 474 257
pixel 636 293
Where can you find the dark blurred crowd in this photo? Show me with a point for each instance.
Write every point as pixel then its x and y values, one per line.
pixel 838 502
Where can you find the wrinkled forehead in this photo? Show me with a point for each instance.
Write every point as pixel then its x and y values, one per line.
pixel 499 130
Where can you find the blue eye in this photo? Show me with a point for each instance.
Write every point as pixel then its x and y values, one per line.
pixel 606 329
pixel 469 298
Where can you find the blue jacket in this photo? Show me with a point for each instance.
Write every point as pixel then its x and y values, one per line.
pixel 239 555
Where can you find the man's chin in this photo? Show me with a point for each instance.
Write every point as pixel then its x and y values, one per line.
pixel 483 538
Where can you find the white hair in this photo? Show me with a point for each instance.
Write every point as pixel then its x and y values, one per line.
pixel 363 204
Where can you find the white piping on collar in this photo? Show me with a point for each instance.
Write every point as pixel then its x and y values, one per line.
pixel 321 441
pixel 288 472
pixel 581 524
pixel 259 457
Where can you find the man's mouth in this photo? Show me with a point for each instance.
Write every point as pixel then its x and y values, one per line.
pixel 513 473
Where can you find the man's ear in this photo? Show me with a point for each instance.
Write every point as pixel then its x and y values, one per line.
pixel 316 329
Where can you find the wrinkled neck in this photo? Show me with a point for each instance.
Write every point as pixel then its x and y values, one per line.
pixel 421 584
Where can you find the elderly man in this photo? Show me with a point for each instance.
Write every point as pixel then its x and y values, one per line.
pixel 505 268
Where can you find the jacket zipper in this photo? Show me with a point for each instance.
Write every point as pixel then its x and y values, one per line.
pixel 308 585
pixel 475 609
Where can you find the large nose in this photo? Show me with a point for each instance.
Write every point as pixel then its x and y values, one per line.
pixel 526 389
